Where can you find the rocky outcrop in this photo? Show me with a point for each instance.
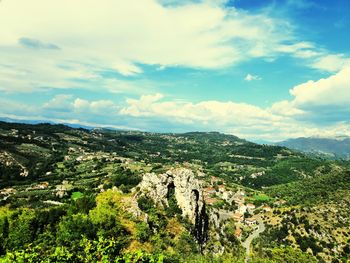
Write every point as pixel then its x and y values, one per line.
pixel 186 187
pixel 191 194
pixel 187 190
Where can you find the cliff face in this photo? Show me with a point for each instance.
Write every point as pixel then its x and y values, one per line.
pixel 182 182
pixel 190 192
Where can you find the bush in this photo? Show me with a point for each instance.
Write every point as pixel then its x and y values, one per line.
pixel 143 232
pixel 126 179
pixel 145 203
pixel 22 229
pixel 173 208
pixel 72 228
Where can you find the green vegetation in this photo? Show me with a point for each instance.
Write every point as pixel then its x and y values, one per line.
pixel 321 189
pixel 261 197
pixel 289 255
pixel 72 195
pixel 76 195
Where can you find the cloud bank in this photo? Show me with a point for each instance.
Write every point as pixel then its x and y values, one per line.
pixel 297 117
pixel 43 51
pixel 57 51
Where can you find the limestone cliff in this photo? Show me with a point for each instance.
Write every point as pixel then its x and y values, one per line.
pixel 188 193
pixel 187 190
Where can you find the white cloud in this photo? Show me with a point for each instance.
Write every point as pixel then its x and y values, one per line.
pixel 315 57
pixel 317 108
pixel 100 107
pixel 61 102
pixel 23 71
pixel 71 50
pixel 127 69
pixel 248 121
pixel 334 90
pixel 153 112
pixel 43 49
pixel 331 62
pixel 294 48
pixel 285 108
pixel 16 108
pixel 125 33
pixel 323 102
pixel 250 77
pixel 64 103
pixel 220 115
pixel 81 105
pixel 285 130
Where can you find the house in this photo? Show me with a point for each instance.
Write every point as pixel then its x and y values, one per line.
pixel 62 189
pixel 51 202
pixel 279 202
pixel 215 180
pixel 210 201
pixel 209 191
pixel 24 173
pixel 242 208
pixel 250 206
pixel 80 158
pixel 267 208
pixel 250 221
pixel 227 195
pixel 238 232
pixel 239 197
pixel 40 186
pixel 14 131
pixel 222 188
pixel 238 217
pixel 256 175
pixel 8 191
pixel 239 194
pixel 238 200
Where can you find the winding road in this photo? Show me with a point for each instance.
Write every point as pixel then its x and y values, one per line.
pixel 255 234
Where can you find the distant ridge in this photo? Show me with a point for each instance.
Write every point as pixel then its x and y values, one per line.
pixel 72 125
pixel 337 147
pixel 10 120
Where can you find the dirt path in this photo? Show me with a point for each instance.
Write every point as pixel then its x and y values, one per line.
pixel 255 234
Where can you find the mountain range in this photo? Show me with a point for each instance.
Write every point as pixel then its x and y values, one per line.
pixel 337 147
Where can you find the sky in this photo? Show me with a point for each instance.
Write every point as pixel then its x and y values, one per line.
pixel 258 69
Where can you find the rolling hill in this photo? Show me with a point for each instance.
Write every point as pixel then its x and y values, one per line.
pixel 97 195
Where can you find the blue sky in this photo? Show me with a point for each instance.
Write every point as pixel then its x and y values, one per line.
pixel 269 70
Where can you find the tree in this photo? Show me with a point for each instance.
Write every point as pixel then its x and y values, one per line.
pixel 22 229
pixel 73 227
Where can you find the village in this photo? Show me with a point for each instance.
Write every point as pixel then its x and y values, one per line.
pixel 235 204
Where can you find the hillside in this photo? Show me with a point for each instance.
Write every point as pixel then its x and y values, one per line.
pixel 326 147
pixel 33 149
pixel 315 217
pixel 130 196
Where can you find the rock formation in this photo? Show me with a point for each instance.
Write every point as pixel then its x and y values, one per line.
pixel 188 193
pixel 187 190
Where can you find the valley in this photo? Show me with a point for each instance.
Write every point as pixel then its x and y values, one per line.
pixel 129 196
